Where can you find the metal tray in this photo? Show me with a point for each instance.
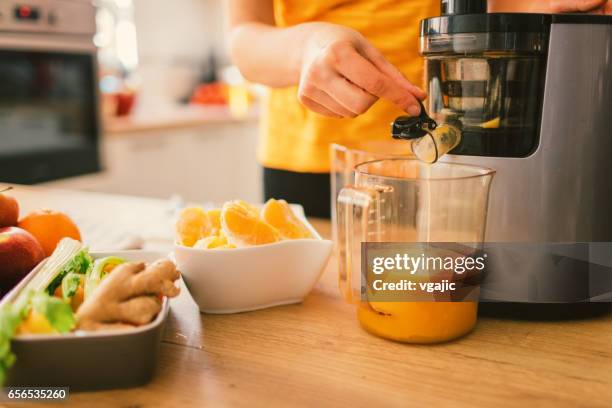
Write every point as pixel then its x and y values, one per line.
pixel 89 361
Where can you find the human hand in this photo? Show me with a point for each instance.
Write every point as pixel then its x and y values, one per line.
pixel 343 75
pixel 550 6
pixel 581 6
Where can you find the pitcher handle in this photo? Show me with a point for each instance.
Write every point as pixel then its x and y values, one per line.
pixel 354 204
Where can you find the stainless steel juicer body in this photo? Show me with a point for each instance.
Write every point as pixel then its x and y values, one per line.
pixel 561 189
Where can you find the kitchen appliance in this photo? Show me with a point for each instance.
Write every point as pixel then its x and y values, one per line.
pixel 49 125
pixel 532 94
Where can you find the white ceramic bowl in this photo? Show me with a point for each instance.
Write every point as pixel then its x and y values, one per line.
pixel 251 278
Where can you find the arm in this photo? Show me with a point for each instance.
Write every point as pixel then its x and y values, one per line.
pixel 338 72
pixel 264 53
pixel 551 6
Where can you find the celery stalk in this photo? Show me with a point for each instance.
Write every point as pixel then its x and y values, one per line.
pixel 66 250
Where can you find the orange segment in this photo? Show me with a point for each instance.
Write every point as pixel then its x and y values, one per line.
pixel 242 226
pixel 214 242
pixel 227 246
pixel 279 214
pixel 191 226
pixel 211 242
pixel 214 221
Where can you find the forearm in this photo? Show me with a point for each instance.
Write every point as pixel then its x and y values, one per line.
pixel 339 73
pixel 269 55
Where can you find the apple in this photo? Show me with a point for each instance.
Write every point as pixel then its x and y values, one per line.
pixel 20 252
pixel 9 210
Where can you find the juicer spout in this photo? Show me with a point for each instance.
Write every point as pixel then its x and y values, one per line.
pixel 412 127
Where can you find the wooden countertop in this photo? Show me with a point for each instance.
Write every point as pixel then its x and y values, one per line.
pixel 315 354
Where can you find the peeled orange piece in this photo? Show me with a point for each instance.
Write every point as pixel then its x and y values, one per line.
pixel 213 242
pixel 214 221
pixel 242 226
pixel 278 214
pixel 192 225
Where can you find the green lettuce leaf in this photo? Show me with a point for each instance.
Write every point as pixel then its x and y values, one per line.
pixel 81 263
pixel 57 312
pixel 70 285
pixel 11 316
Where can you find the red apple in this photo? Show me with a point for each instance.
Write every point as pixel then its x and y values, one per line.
pixel 9 210
pixel 19 253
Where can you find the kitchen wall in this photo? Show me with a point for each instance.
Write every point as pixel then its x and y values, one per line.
pixel 200 162
pixel 175 40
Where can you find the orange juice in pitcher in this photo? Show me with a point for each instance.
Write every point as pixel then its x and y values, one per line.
pixel 399 210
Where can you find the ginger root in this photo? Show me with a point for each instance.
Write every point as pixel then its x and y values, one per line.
pixel 129 296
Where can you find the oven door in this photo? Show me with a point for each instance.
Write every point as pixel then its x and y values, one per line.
pixel 49 124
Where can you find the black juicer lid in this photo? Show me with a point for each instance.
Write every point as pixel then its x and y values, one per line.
pixel 504 22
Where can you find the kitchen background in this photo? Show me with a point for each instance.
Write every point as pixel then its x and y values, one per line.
pixel 177 119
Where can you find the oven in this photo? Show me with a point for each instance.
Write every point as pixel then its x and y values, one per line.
pixel 49 122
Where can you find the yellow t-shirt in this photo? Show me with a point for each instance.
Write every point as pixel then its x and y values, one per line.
pixel 297 139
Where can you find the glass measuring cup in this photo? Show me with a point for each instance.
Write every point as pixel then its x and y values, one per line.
pixel 406 201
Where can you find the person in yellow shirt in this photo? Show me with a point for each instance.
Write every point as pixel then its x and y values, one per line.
pixel 339 71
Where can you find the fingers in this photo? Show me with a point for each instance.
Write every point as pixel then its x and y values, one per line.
pixel 354 99
pixel 391 71
pixel 348 100
pixel 310 94
pixel 341 82
pixel 317 107
pixel 364 74
pixel 568 6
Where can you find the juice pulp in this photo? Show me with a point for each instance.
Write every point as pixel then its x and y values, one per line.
pixel 419 322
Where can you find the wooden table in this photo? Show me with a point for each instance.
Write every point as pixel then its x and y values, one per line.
pixel 315 354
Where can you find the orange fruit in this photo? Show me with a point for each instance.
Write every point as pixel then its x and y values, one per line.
pixel 191 226
pixel 279 214
pixel 49 227
pixel 242 226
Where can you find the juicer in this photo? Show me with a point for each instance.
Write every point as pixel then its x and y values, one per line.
pixel 532 95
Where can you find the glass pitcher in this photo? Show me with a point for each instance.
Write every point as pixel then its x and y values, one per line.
pixel 406 201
